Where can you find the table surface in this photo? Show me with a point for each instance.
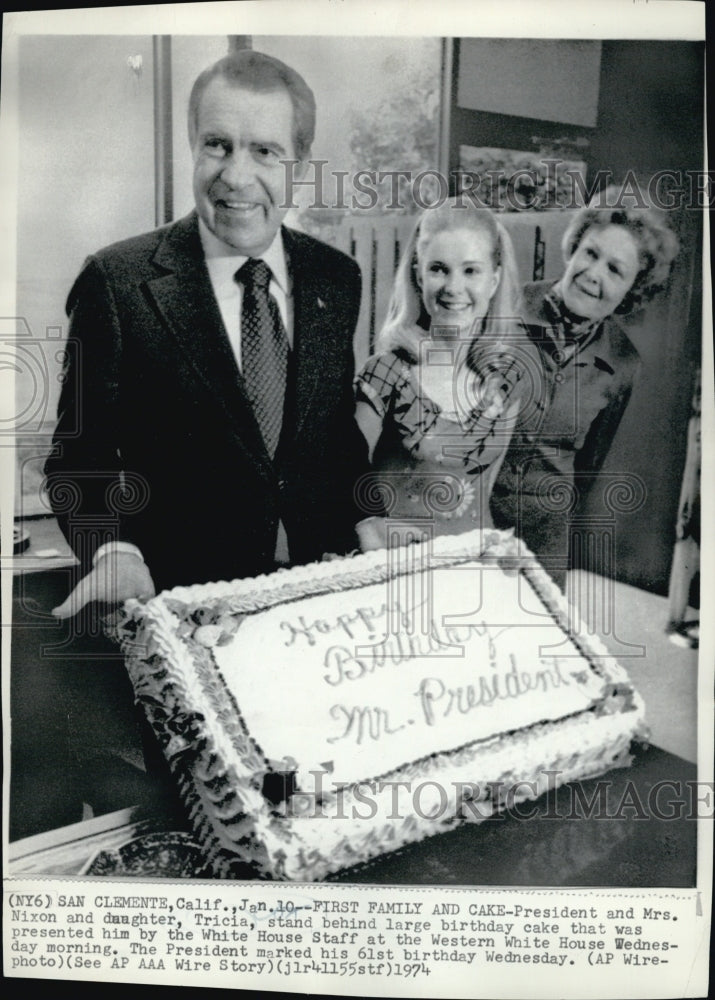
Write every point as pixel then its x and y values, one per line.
pixel 47 539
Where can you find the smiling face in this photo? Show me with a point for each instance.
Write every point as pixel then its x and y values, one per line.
pixel 601 272
pixel 239 181
pixel 457 278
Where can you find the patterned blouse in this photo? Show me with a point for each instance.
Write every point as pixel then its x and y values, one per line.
pixel 437 466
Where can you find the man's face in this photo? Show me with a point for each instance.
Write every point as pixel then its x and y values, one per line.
pixel 239 181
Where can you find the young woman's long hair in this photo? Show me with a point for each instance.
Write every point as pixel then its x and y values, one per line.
pixel 408 322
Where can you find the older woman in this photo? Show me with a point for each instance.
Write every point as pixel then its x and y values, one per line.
pixel 616 260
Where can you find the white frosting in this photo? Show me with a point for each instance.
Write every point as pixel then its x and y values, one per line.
pixel 171 640
pixel 365 681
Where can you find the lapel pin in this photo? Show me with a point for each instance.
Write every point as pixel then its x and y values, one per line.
pixel 321 304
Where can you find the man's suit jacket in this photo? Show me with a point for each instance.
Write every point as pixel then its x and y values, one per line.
pixel 167 453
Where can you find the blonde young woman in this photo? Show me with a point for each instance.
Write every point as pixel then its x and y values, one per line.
pixel 438 402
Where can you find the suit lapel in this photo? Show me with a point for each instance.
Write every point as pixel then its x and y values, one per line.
pixel 185 299
pixel 312 323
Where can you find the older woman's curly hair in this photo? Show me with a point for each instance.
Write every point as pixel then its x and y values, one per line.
pixel 657 243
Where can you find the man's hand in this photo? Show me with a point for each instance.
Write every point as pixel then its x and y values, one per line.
pixel 116 577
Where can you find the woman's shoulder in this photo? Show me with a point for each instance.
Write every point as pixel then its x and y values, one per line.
pixel 384 371
pixel 532 295
pixel 385 380
pixel 386 361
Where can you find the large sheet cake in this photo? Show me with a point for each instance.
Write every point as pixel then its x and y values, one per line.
pixel 323 715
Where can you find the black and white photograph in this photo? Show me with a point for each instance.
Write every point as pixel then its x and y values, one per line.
pixel 357 398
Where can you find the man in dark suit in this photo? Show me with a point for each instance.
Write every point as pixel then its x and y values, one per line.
pixel 184 469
